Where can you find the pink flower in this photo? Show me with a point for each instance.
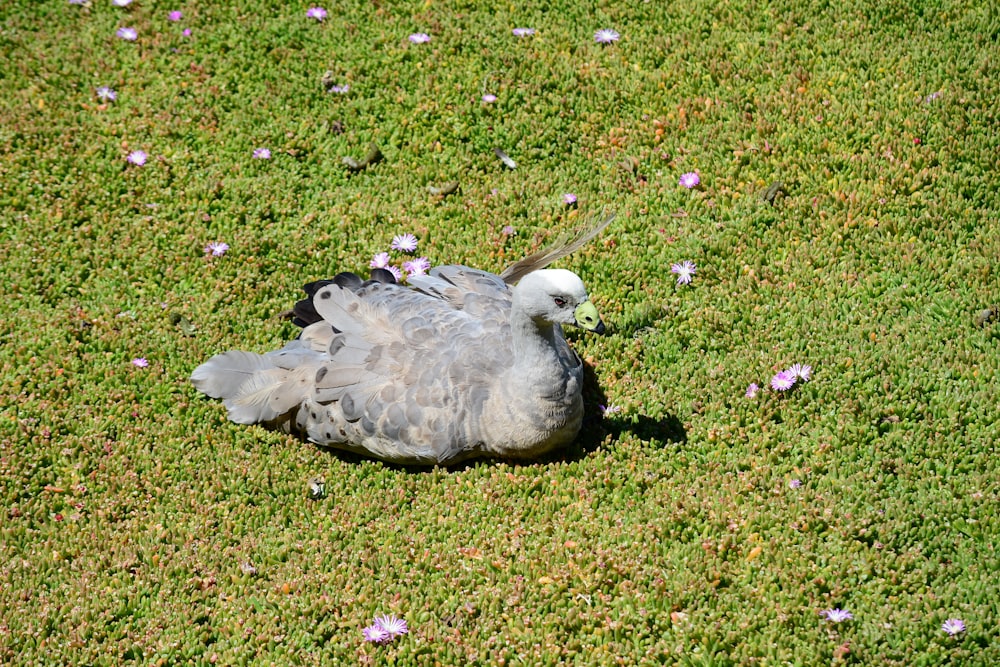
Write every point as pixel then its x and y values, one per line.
pixel 138 158
pixel 317 13
pixel 489 98
pixel 419 38
pixel 380 261
pixel 837 615
pixel 800 371
pixel 685 271
pixel 752 390
pixel 523 32
pixel 216 248
pixel 782 381
pixel 175 16
pixel 262 153
pixel 384 629
pixel 375 633
pixel 140 362
pixel 606 36
pixel 569 199
pixel 690 180
pixel 404 242
pixel 954 626
pixel 128 34
pixel 418 266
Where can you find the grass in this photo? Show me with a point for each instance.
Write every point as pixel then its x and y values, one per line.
pixel 139 526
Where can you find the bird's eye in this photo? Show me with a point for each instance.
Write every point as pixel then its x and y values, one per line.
pixel 559 301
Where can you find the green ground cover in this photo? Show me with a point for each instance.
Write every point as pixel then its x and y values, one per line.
pixel 846 218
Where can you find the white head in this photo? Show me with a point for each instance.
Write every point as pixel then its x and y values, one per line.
pixel 557 296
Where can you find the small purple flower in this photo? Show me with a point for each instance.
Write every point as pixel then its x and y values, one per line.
pixel 752 390
pixel 396 273
pixel 685 271
pixel 419 38
pixel 795 483
pixel 610 409
pixel 523 32
pixel 106 94
pixel 418 266
pixel 404 242
pixel 339 88
pixel 138 158
pixel 489 98
pixel 216 248
pixel 78 2
pixel 140 362
pixel 186 32
pixel 508 230
pixel 782 381
pixel 380 261
pixel 954 626
pixel 800 372
pixel 262 153
pixel 121 3
pixel 837 615
pixel 606 36
pixel 317 13
pixel 690 180
pixel 394 627
pixel 930 98
pixel 175 15
pixel 375 633
pixel 128 34
pixel 569 199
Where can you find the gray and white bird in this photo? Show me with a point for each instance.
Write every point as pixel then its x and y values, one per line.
pixel 460 364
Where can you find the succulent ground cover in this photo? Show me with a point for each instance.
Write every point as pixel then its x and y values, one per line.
pixel 791 455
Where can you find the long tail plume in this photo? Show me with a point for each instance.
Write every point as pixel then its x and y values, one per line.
pixel 563 246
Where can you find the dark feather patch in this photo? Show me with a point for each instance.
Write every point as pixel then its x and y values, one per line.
pixel 305 313
pixel 383 276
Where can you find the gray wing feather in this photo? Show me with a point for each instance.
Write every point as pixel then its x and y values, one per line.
pixel 342 308
pixel 388 384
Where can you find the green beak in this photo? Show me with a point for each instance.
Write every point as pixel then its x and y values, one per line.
pixel 587 318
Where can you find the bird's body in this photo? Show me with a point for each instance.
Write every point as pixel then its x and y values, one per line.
pixel 458 365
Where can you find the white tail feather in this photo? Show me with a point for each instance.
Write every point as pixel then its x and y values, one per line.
pixel 224 374
pixel 270 394
pixel 252 386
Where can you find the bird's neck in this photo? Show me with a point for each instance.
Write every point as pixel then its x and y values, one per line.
pixel 534 341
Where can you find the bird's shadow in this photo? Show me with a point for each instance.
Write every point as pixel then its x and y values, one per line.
pixel 602 420
pixel 598 424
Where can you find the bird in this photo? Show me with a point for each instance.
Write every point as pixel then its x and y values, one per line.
pixel 459 364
